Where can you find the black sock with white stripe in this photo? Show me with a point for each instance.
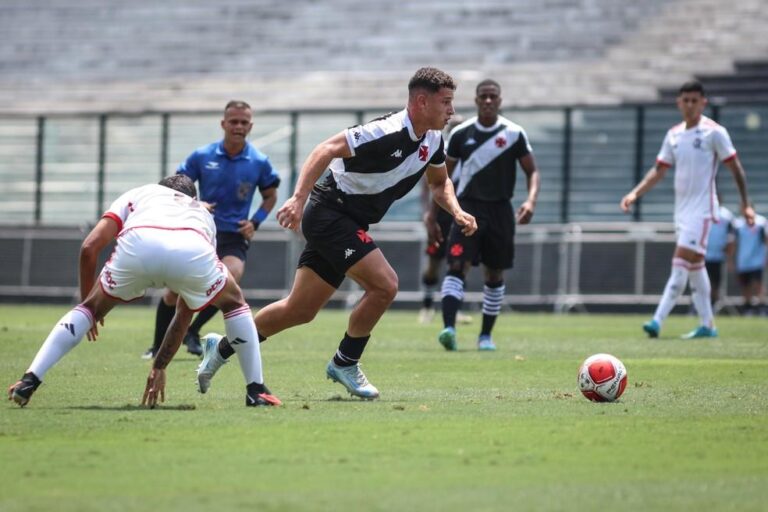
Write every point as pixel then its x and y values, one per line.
pixel 350 350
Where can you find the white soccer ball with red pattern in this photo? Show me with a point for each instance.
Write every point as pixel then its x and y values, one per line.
pixel 602 378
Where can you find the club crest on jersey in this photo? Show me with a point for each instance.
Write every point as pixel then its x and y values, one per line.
pixel 500 142
pixel 423 153
pixel 697 143
pixel 364 237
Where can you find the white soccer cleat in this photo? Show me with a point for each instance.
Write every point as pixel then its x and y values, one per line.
pixel 352 378
pixel 212 361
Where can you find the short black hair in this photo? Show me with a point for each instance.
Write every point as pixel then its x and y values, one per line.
pixel 237 104
pixel 180 183
pixel 431 79
pixel 485 82
pixel 692 86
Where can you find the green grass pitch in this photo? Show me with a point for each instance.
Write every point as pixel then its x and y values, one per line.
pixel 464 431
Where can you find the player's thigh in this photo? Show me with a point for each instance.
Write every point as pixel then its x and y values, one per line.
pixel 692 237
pixel 374 272
pixel 235 265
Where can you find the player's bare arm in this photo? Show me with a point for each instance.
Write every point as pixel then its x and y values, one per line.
pixel 445 196
pixel 289 215
pixel 155 388
pixel 268 200
pixel 651 178
pixel 525 212
pixel 740 177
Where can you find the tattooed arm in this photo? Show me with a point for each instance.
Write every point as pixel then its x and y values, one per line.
pixel 155 387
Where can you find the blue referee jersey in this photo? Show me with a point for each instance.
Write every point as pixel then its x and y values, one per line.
pixel 720 234
pixel 750 244
pixel 230 182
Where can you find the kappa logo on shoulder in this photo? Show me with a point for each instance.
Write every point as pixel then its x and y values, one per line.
pixel 398 153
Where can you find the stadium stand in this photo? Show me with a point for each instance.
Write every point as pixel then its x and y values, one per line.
pixel 89 55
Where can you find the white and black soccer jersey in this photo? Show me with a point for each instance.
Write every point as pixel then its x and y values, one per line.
pixel 388 159
pixel 488 158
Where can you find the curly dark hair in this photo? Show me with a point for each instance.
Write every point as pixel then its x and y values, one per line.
pixel 431 79
pixel 692 86
pixel 180 183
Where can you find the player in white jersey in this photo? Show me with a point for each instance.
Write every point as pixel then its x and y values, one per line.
pixel 164 238
pixel 695 148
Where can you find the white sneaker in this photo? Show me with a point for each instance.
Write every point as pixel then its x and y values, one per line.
pixel 212 361
pixel 426 315
pixel 461 318
pixel 352 378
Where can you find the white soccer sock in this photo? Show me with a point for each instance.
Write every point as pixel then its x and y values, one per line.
pixel 63 337
pixel 492 299
pixel 700 293
pixel 242 336
pixel 675 286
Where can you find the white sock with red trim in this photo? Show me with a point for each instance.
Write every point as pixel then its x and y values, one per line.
pixel 243 338
pixel 63 337
pixel 700 293
pixel 678 278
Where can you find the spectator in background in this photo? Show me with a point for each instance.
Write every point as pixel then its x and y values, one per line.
pixel 488 148
pixel 750 261
pixel 435 243
pixel 719 245
pixel 228 173
pixel 694 147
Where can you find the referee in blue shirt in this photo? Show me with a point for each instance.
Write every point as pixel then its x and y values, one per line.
pixel 228 172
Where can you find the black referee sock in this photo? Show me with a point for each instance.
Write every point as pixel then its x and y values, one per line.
pixel 163 319
pixel 350 350
pixel 203 317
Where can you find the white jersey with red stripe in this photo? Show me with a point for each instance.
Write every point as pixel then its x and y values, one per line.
pixel 696 154
pixel 156 206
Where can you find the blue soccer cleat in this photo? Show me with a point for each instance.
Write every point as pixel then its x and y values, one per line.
pixel 652 328
pixel 484 342
pixel 701 331
pixel 447 338
pixel 211 362
pixel 352 378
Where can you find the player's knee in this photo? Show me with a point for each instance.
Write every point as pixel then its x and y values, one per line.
pixel 386 289
pixel 303 315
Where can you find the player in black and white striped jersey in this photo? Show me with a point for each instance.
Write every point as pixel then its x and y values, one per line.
pixel 488 148
pixel 371 165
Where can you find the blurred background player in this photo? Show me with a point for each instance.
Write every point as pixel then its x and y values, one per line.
pixel 435 251
pixel 163 237
pixel 692 147
pixel 750 261
pixel 366 177
pixel 487 147
pixel 719 246
pixel 228 173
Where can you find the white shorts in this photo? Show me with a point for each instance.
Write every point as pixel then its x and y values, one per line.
pixel 179 259
pixel 693 234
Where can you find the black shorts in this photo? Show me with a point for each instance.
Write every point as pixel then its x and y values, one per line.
pixel 494 242
pixel 714 271
pixel 444 220
pixel 753 276
pixel 232 244
pixel 335 242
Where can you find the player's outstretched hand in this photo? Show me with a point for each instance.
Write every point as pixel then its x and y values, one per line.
pixel 289 215
pixel 155 388
pixel 627 201
pixel 525 213
pixel 467 222
pixel 93 332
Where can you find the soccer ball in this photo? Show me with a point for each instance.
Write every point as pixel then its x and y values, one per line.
pixel 602 378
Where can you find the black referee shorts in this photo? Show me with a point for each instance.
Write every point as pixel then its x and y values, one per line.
pixel 232 244
pixel 335 242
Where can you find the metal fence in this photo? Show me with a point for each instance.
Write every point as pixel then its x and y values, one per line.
pixel 66 169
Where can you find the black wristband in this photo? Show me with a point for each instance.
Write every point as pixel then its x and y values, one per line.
pixel 255 224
